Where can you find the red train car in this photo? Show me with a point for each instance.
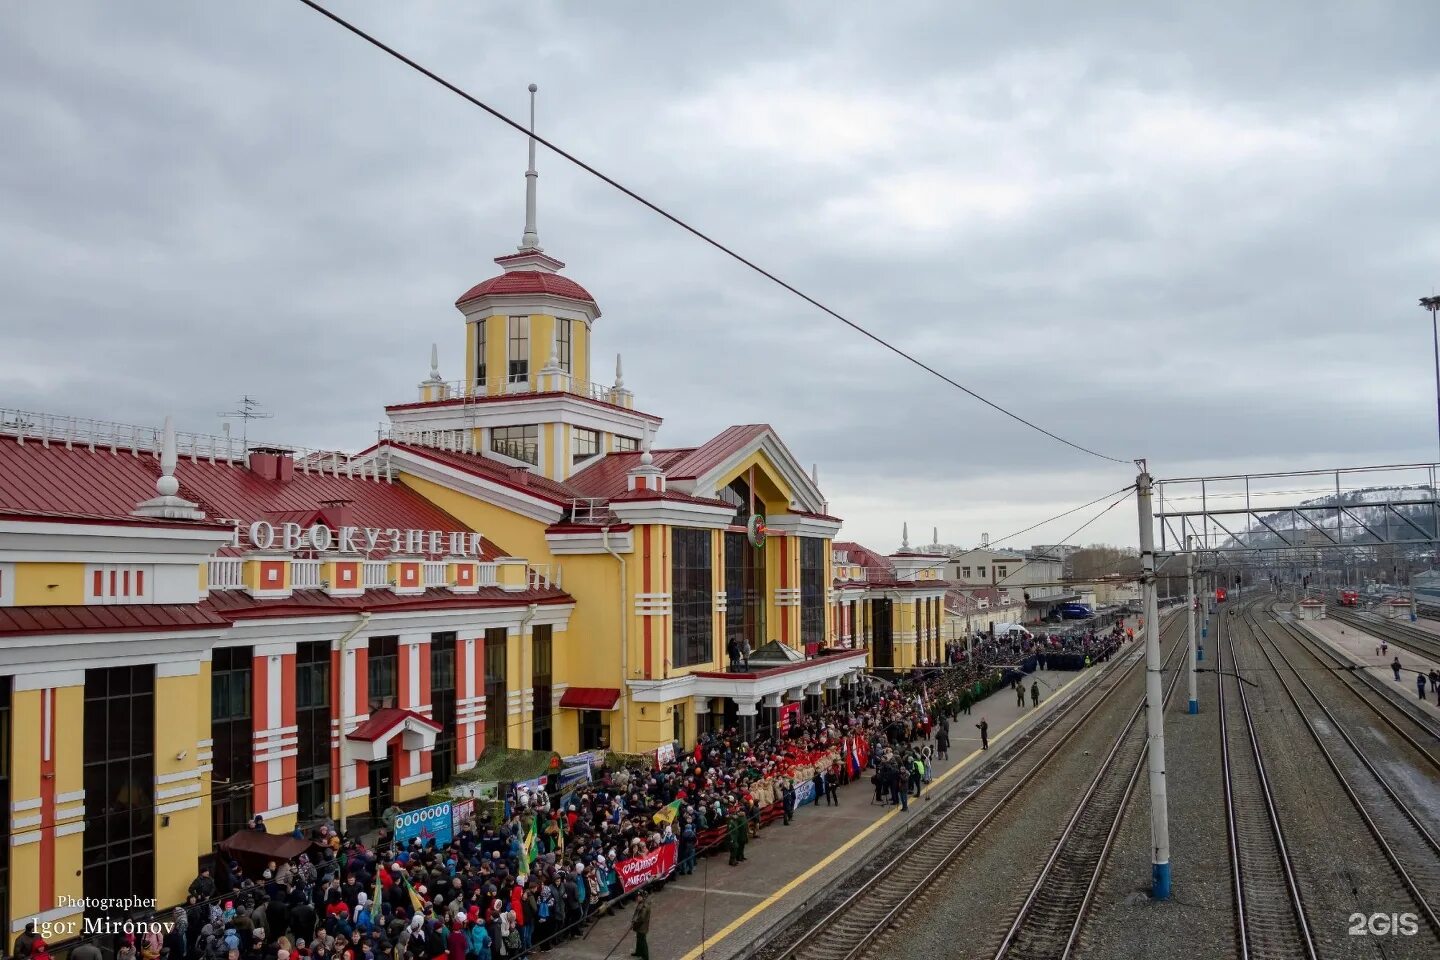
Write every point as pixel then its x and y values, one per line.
pixel 1219 594
pixel 1348 598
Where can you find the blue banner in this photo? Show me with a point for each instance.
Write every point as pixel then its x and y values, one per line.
pixel 435 823
pixel 804 792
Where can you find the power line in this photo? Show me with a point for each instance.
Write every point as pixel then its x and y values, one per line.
pixel 694 231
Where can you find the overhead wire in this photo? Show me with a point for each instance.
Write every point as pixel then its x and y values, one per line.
pixel 693 230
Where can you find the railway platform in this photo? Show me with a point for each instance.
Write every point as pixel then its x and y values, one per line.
pixel 719 911
pixel 1360 648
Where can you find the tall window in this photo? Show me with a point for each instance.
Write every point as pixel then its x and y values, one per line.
pixel 812 592
pixel 5 761
pixel 692 601
pixel 541 669
pixel 384 671
pixel 744 591
pixel 497 714
pixel 1001 572
pixel 233 729
pixel 518 443
pixel 626 444
pixel 564 346
pixel 519 354
pixel 442 706
pixel 584 444
pixel 312 722
pixel 480 340
pixel 119 845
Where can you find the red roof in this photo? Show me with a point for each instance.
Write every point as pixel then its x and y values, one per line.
pixel 517 478
pixel 522 282
pixel 461 400
pixel 604 477
pixel 101 484
pixel 153 617
pixel 715 451
pixel 384 720
pixel 589 698
pixel 46 516
pixel 238 605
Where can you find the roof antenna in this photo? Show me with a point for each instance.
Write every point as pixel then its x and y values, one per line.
pixel 530 242
pixel 249 410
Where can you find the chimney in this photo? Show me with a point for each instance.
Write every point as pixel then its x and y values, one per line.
pixel 337 513
pixel 272 463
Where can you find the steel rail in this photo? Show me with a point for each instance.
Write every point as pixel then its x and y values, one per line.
pixel 1237 873
pixel 1405 876
pixel 1100 780
pixel 1404 704
pixel 873 889
pixel 1402 635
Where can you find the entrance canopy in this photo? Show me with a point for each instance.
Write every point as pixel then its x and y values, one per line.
pixel 371 740
pixel 589 698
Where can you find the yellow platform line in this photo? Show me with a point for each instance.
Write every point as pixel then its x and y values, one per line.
pixel 835 854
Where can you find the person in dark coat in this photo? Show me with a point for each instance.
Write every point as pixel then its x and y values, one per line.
pixel 984 729
pixel 1395 665
pixel 942 743
pixel 640 923
pixel 787 801
pixel 25 943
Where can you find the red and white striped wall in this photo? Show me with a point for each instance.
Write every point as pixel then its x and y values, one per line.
pixel 276 734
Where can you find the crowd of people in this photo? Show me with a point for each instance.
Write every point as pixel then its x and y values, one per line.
pixel 556 860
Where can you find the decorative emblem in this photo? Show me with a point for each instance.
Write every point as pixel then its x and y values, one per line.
pixel 755 529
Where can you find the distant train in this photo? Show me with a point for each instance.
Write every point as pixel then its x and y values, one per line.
pixel 1219 594
pixel 1348 598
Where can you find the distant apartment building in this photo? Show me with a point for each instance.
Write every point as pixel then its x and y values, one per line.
pixel 1034 580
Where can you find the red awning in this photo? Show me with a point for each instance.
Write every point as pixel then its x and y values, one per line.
pixel 385 720
pixel 590 698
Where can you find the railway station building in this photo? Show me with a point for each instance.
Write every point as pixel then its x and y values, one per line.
pixel 195 630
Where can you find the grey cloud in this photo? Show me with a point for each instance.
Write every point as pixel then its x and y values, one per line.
pixel 1161 233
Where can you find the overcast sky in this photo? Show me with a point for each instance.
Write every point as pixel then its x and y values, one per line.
pixel 1191 233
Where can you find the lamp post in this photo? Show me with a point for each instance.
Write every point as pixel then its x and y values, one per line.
pixel 1433 305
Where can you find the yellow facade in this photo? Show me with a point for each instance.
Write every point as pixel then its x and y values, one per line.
pixel 179 803
pixel 49 584
pixel 520 535
pixel 24 786
pixel 541 345
pixel 46 852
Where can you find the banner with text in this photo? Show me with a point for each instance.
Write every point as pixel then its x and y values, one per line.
pixel 435 822
pixel 655 865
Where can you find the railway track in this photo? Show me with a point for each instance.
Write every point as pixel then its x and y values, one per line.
pixel 1401 635
pixel 1400 833
pixel 1392 707
pixel 1047 924
pixel 1269 914
pixel 848 929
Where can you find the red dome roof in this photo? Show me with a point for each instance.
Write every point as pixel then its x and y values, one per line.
pixel 522 282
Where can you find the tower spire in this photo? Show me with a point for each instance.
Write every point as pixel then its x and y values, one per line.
pixel 530 241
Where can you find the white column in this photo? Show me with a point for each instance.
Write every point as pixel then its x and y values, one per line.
pixel 1154 700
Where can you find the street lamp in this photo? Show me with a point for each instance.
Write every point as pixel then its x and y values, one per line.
pixel 1433 305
